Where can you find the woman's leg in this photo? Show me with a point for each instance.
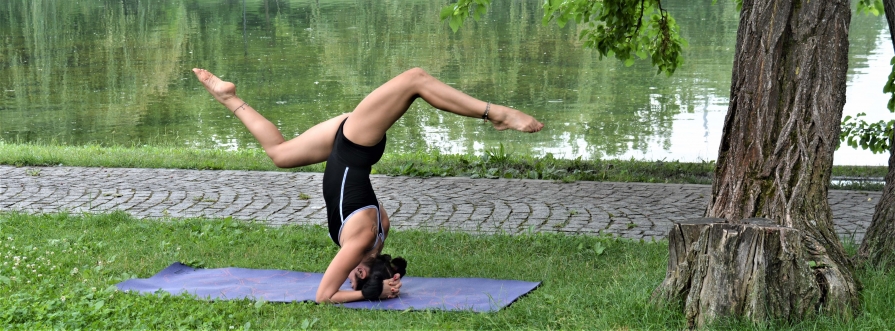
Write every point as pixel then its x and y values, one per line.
pixel 312 146
pixel 385 105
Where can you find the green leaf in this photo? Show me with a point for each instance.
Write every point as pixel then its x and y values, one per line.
pixel 456 22
pixel 641 54
pixel 599 248
pixel 532 174
pixel 562 20
pixel 446 12
pixel 629 62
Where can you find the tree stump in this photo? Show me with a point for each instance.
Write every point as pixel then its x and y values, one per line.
pixel 755 270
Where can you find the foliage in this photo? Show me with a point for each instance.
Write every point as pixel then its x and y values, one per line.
pixel 622 28
pixel 876 137
pixel 459 12
pixel 871 7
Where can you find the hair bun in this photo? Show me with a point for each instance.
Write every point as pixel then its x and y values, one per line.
pixel 400 265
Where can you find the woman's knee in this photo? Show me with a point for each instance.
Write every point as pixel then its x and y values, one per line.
pixel 416 75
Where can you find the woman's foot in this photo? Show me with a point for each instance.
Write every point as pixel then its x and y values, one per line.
pixel 219 89
pixel 503 118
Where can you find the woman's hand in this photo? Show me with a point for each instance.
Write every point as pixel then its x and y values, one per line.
pixel 391 288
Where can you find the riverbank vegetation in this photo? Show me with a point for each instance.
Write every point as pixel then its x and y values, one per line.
pixel 496 162
pixel 59 271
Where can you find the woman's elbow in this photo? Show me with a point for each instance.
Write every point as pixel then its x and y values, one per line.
pixel 280 162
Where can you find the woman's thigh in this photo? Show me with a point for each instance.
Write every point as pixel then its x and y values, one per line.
pixel 310 147
pixel 376 113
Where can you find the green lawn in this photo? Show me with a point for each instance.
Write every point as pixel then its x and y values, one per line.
pixel 59 271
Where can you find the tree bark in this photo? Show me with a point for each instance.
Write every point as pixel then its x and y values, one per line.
pixel 780 132
pixel 782 127
pixel 681 257
pixel 755 269
pixel 878 248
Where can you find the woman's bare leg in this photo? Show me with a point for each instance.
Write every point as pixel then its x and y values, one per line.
pixel 385 105
pixel 312 146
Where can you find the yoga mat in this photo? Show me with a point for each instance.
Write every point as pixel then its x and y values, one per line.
pixel 417 293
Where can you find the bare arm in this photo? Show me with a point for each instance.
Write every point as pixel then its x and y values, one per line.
pixel 348 257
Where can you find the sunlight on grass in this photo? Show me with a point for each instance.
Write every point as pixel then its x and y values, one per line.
pixel 59 271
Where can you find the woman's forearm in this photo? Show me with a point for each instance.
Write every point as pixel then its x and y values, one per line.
pixel 340 297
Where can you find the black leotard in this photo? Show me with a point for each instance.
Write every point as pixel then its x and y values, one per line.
pixel 346 183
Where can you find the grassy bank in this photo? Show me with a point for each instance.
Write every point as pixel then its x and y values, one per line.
pixel 59 271
pixel 495 163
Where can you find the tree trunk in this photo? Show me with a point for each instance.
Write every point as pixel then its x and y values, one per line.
pixel 878 248
pixel 782 126
pixel 681 257
pixel 755 269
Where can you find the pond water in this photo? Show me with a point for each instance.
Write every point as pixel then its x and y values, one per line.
pixel 118 73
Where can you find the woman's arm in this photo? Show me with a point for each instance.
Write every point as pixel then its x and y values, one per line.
pixel 383 216
pixel 348 257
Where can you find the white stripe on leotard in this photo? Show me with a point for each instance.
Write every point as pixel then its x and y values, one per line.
pixel 380 236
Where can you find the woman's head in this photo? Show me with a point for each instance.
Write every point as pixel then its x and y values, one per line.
pixel 369 275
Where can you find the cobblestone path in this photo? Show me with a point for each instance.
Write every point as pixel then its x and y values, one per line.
pixel 629 210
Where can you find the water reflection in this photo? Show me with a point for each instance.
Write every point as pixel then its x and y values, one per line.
pixel 117 72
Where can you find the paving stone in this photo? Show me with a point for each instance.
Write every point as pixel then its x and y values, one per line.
pixel 454 204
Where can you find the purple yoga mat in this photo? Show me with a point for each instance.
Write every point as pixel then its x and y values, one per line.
pixel 419 293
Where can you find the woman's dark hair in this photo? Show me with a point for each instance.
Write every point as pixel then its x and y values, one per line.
pixel 381 267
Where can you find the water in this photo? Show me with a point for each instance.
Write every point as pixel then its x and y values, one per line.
pixel 118 73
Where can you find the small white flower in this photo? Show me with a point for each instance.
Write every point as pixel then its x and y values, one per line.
pixel 62 298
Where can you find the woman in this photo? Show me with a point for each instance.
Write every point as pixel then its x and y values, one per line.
pixel 351 143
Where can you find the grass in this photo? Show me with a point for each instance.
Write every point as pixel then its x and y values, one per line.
pixel 59 271
pixel 494 163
